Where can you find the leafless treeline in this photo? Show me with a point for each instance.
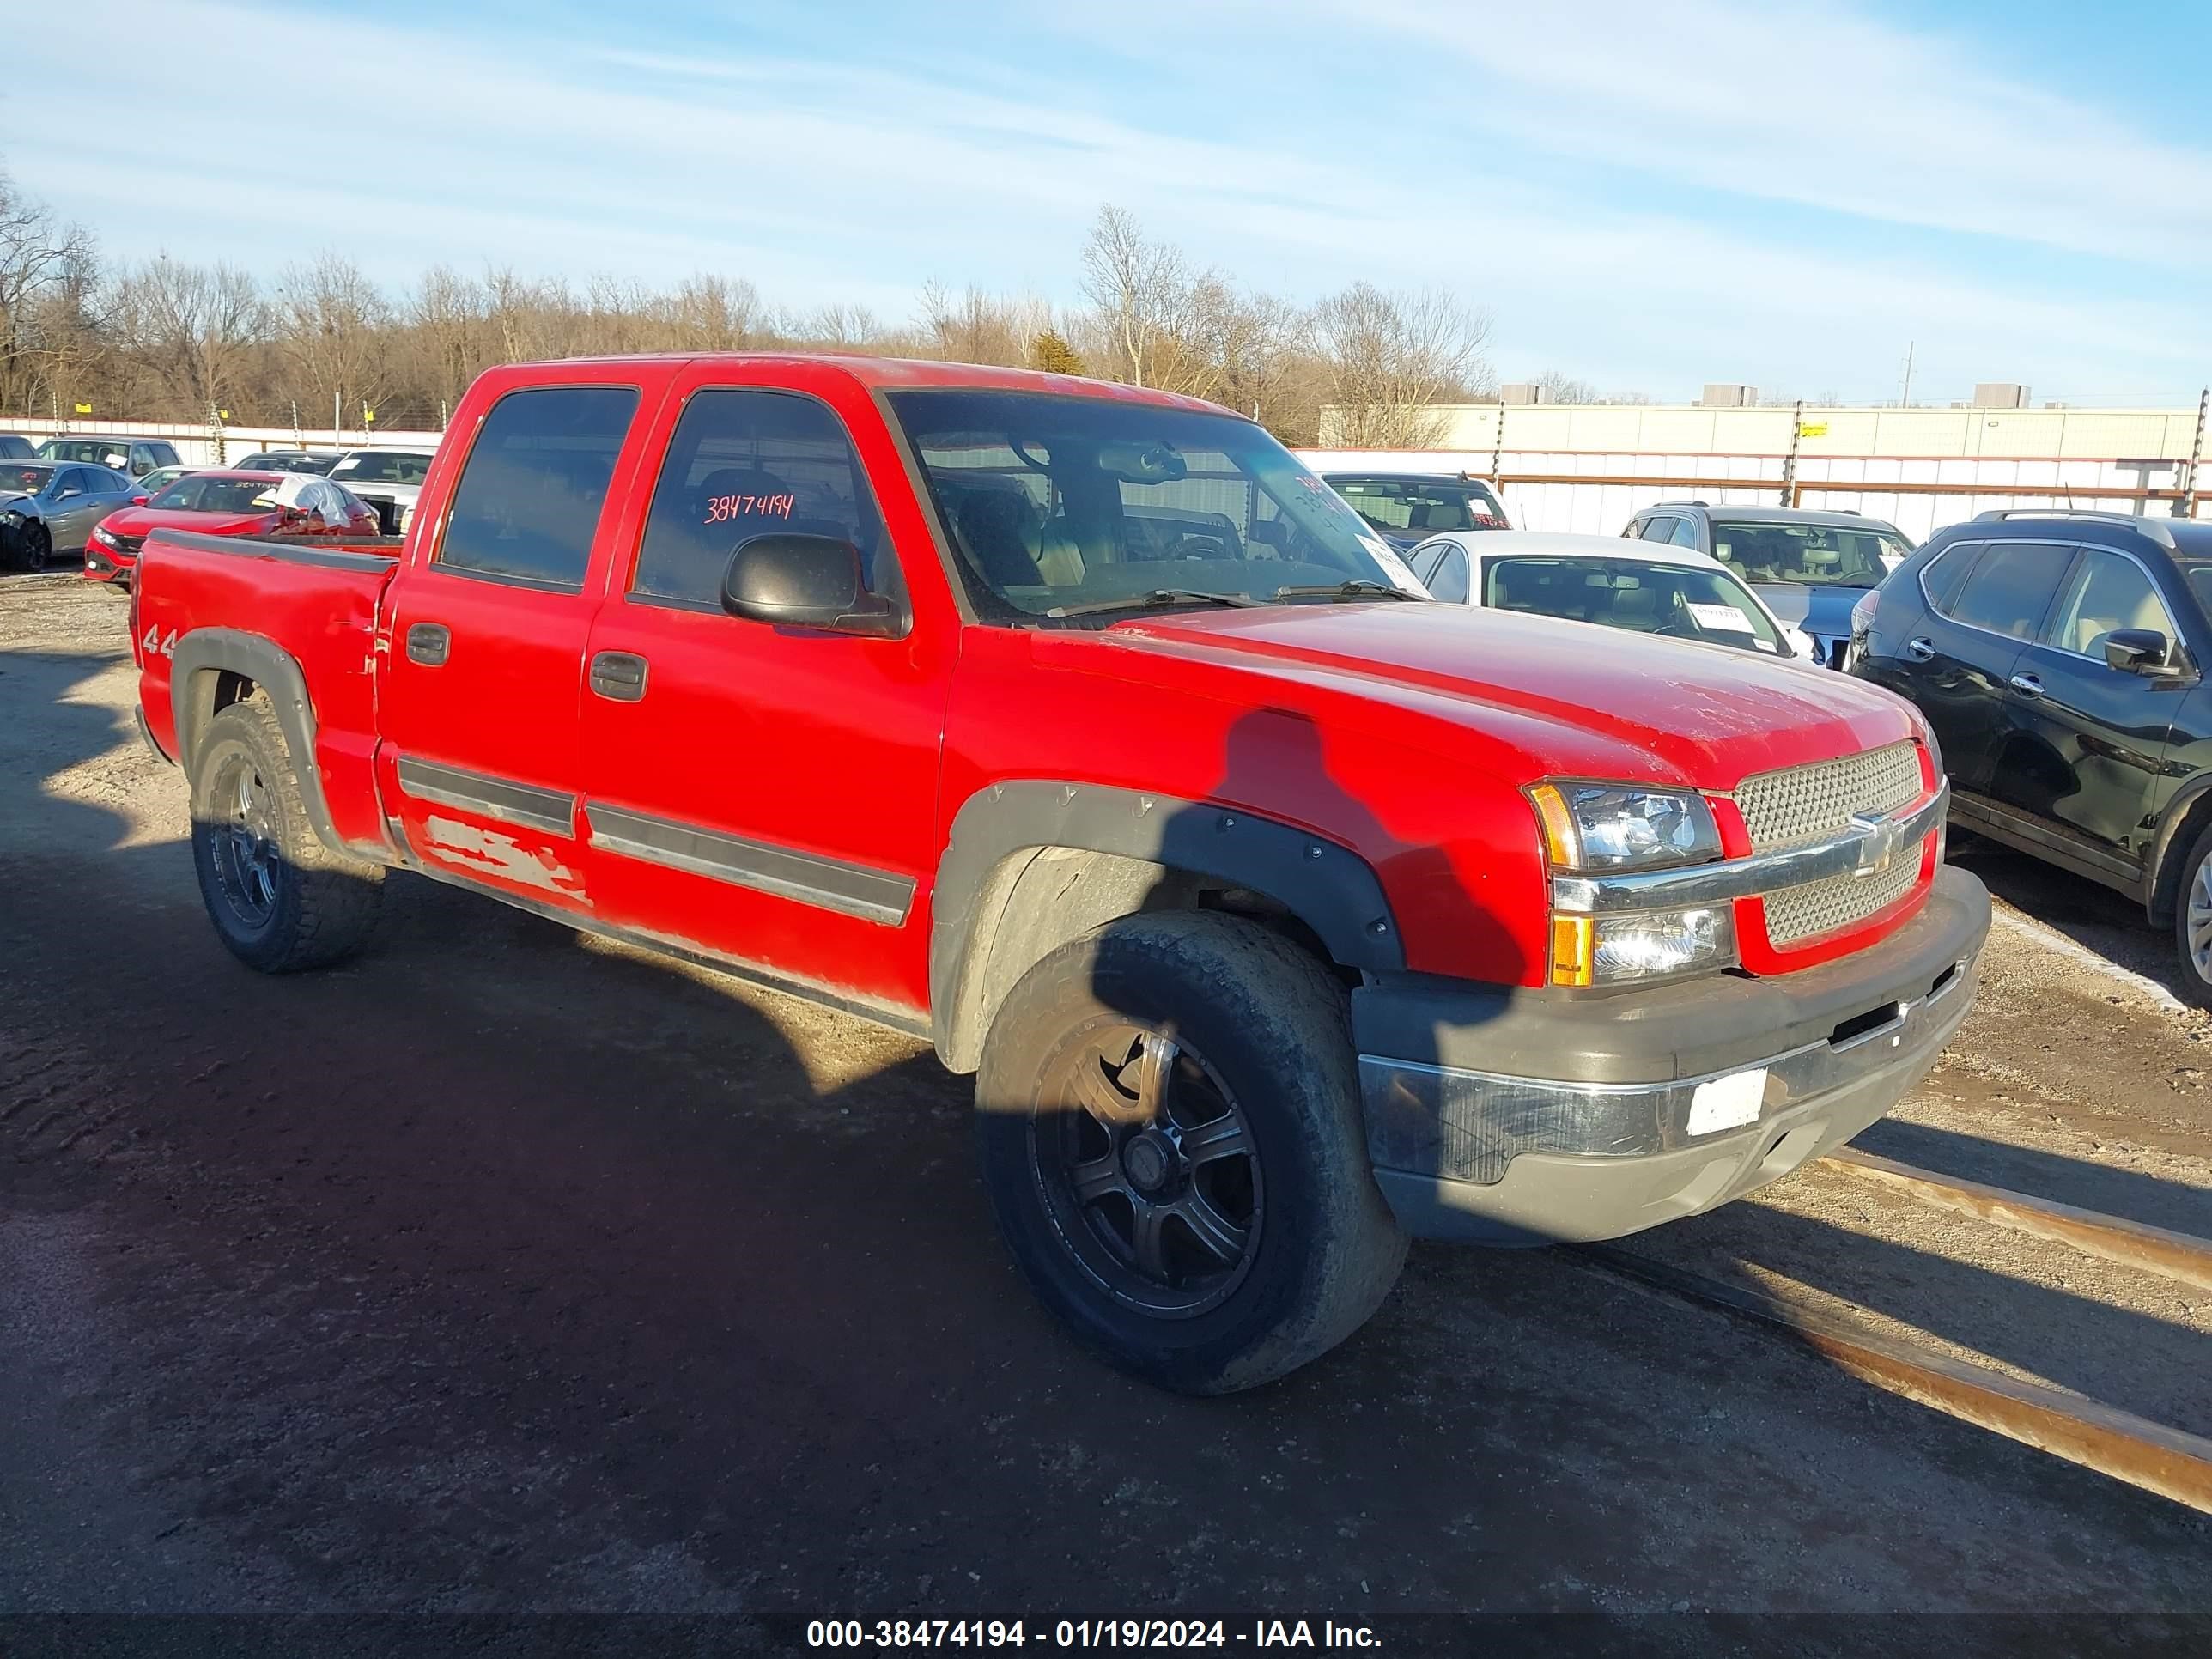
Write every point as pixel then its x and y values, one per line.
pixel 170 341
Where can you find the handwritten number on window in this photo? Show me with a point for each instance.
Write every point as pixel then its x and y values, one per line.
pixel 722 508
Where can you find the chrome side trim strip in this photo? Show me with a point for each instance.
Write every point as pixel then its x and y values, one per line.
pixel 532 808
pixel 853 889
pixel 1866 850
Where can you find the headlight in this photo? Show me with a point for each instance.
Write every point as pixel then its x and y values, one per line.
pixel 1651 945
pixel 99 534
pixel 1592 827
pixel 1608 829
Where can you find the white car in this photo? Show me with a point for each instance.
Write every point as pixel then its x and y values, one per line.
pixel 389 480
pixel 1647 587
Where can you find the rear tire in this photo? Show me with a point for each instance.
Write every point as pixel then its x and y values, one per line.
pixel 1169 1131
pixel 280 900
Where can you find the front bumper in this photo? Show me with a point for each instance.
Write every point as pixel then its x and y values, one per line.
pixel 103 567
pixel 1525 1118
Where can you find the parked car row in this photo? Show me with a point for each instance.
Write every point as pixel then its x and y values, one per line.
pixel 2057 653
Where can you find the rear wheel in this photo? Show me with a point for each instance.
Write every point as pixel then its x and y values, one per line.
pixel 1170 1134
pixel 279 899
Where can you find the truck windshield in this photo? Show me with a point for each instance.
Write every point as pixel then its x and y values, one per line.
pixel 1817 555
pixel 1415 507
pixel 1058 506
pixel 1682 602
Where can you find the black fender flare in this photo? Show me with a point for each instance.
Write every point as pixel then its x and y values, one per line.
pixel 199 657
pixel 2164 845
pixel 1329 888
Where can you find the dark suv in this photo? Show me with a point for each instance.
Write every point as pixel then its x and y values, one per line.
pixel 1810 566
pixel 2058 655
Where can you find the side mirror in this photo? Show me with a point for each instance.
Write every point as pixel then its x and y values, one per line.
pixel 2135 650
pixel 803 581
pixel 140 500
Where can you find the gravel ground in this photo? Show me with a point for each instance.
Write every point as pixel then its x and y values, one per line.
pixel 503 1272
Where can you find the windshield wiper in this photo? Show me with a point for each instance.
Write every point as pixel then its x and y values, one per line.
pixel 1358 588
pixel 1157 598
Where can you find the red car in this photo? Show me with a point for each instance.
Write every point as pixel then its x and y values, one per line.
pixel 263 504
pixel 1280 911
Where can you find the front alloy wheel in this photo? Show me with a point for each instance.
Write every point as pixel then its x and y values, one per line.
pixel 1144 1162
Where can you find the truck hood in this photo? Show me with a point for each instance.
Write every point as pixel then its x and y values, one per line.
pixel 1552 697
pixel 142 521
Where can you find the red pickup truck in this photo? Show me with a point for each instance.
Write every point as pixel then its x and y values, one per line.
pixel 1280 912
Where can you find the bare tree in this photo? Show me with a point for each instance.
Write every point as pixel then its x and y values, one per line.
pixel 973 326
pixel 42 261
pixel 716 313
pixel 1392 358
pixel 331 328
pixel 842 327
pixel 1558 388
pixel 194 329
pixel 445 318
pixel 1142 293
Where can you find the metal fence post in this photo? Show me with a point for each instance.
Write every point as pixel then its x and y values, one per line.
pixel 2187 506
pixel 1789 466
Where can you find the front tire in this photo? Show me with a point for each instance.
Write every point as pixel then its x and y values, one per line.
pixel 1169 1131
pixel 279 899
pixel 2193 922
pixel 33 547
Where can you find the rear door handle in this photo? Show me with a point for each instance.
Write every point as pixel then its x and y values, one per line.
pixel 2027 684
pixel 428 643
pixel 619 675
pixel 1919 651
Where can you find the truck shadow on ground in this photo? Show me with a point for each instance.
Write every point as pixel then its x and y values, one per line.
pixel 497 1271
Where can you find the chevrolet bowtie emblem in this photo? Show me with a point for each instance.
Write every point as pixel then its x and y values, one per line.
pixel 1879 840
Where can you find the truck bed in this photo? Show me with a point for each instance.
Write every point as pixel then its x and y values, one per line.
pixel 313 600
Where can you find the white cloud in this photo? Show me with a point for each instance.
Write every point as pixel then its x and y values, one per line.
pixel 833 181
pixel 1816 105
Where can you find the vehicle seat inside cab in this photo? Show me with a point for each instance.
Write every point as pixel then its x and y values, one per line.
pixel 2114 598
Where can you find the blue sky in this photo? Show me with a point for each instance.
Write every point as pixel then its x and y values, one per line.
pixel 1645 196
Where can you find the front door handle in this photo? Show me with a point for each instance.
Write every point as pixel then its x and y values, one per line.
pixel 2027 684
pixel 618 675
pixel 1919 651
pixel 428 643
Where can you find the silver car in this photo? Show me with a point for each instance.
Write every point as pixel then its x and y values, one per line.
pixel 48 507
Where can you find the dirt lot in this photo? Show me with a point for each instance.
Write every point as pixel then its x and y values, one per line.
pixel 506 1272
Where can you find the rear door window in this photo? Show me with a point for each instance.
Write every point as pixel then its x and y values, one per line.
pixel 1658 527
pixel 1450 580
pixel 1941 577
pixel 745 464
pixel 528 503
pixel 2011 586
pixel 1685 534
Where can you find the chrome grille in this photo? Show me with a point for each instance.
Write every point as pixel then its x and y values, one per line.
pixel 1803 804
pixel 1822 907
